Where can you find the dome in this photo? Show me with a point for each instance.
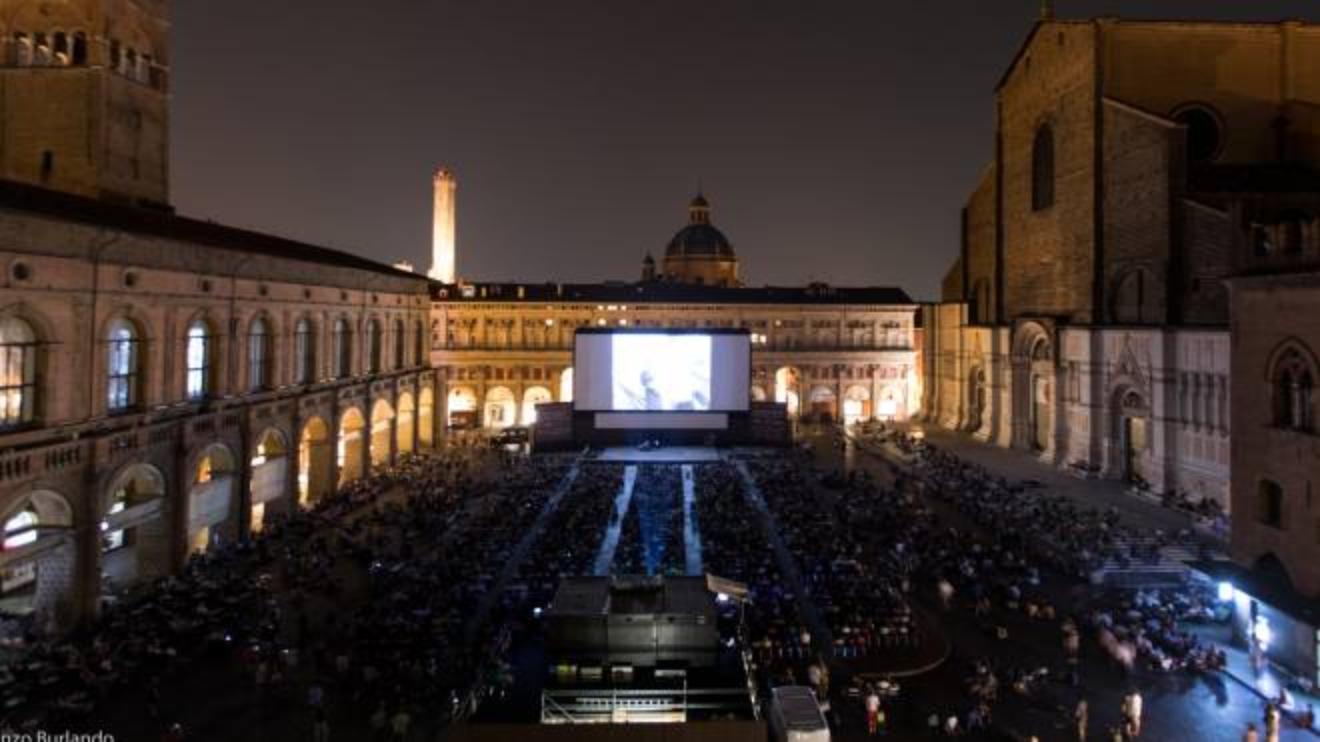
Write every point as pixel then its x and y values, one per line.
pixel 699 237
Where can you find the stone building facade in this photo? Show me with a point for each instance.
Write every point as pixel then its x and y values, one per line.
pixel 1276 367
pixel 836 353
pixel 168 384
pixel 846 354
pixel 84 97
pixel 1086 317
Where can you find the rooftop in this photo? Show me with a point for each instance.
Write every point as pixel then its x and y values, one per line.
pixel 663 292
pixel 168 225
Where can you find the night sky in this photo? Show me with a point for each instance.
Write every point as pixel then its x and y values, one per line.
pixel 837 141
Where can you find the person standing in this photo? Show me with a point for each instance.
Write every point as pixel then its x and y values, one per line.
pixel 1134 707
pixel 320 726
pixel 1250 735
pixel 1081 716
pixel 1271 723
pixel 872 712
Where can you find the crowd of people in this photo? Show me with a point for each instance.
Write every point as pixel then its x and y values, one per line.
pixel 364 597
pixel 652 540
pixel 734 543
pixel 854 547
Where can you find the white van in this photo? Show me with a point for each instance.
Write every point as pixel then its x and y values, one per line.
pixel 795 716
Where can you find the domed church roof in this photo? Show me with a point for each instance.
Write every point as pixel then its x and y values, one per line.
pixel 699 237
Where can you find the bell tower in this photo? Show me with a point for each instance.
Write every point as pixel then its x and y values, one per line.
pixel 84 97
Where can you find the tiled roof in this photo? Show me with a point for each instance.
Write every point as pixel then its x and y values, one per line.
pixel 168 225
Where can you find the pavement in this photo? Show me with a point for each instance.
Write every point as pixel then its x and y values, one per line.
pixel 1207 708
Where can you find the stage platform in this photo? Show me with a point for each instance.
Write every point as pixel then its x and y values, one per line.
pixel 666 455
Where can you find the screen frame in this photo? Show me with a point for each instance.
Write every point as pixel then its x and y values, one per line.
pixel 707 331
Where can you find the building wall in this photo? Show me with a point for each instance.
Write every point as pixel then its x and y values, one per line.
pixel 68 282
pixel 492 351
pixel 1243 71
pixel 1142 154
pixel 1049 254
pixel 1272 314
pixel 979 250
pixel 91 126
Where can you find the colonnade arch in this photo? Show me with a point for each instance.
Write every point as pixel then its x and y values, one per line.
pixel 501 410
pixel 462 408
pixel 405 424
pixel 37 558
pixel 787 384
pixel 314 462
pixel 822 403
pixel 382 434
pixel 352 439
pixel 426 418
pixel 211 498
pixel 533 396
pixel 856 404
pixel 268 478
pixel 135 534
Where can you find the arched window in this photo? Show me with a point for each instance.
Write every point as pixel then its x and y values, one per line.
pixel 40 50
pixel 373 347
pixel 1040 350
pixel 400 344
pixel 304 352
pixel 419 345
pixel 200 362
pixel 80 48
pixel 343 348
pixel 1269 504
pixel 122 366
pixel 1294 392
pixel 1134 300
pixel 259 355
pixel 22 50
pixel 1204 133
pixel 21 529
pixel 61 56
pixel 18 372
pixel 1042 169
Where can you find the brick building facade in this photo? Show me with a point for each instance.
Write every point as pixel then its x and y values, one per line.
pixel 1087 317
pixel 166 384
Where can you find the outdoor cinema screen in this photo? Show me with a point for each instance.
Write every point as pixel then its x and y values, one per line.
pixel 658 371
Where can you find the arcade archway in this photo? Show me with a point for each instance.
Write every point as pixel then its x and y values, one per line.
pixel 269 476
pixel 426 418
pixel 37 559
pixel 976 398
pixel 462 408
pixel 351 441
pixel 135 535
pixel 211 507
pixel 822 401
pixel 404 425
pixel 1133 430
pixel 531 398
pixel 501 410
pixel 314 477
pixel 382 434
pixel 787 380
pixel 566 385
pixel 856 404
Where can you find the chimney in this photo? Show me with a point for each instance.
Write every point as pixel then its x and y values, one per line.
pixel 443 259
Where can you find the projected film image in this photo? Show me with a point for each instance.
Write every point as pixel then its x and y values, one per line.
pixel 661 372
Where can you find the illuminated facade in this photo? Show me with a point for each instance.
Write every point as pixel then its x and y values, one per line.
pixel 166 384
pixel 1087 317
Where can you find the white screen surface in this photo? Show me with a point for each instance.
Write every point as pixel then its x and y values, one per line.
pixel 661 372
